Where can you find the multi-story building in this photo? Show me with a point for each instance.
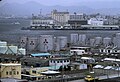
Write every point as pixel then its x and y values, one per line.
pixel 11 70
pixel 79 50
pixel 57 62
pixel 96 21
pixel 60 17
pixel 41 22
pixel 111 20
pixel 80 16
pixel 76 20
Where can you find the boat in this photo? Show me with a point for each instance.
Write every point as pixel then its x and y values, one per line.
pixel 16 23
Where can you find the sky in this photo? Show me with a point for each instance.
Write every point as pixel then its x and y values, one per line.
pixel 59 2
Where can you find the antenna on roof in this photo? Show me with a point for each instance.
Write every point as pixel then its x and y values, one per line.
pixel 67 10
pixel 40 14
pixel 40 11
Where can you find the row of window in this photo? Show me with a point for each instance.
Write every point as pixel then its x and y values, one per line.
pixel 108 51
pixel 12 73
pixel 41 23
pixel 77 17
pixel 59 61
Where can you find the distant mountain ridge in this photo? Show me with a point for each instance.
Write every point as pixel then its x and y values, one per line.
pixel 34 7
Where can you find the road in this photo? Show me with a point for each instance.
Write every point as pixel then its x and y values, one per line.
pixel 100 78
pixel 82 80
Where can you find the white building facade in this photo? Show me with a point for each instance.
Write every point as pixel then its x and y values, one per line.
pixel 96 21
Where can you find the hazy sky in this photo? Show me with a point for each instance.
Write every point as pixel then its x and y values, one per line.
pixel 59 2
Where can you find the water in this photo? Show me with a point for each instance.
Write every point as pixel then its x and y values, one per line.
pixel 12 32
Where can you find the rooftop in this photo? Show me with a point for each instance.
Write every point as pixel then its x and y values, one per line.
pixel 41 54
pixel 12 80
pixel 107 26
pixel 112 59
pixel 10 64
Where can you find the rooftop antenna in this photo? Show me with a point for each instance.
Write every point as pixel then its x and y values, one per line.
pixel 40 12
pixel 67 10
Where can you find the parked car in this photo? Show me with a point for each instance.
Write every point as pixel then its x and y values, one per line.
pixel 89 78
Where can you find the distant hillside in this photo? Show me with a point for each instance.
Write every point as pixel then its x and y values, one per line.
pixel 34 7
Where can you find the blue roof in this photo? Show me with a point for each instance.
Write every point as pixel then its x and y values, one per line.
pixel 41 54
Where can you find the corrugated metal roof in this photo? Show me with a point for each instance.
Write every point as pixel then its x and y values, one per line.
pixel 41 54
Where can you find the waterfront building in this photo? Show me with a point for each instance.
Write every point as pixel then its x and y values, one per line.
pixel 78 16
pixel 96 21
pixel 76 20
pixel 100 27
pixel 77 23
pixel 111 20
pixel 11 70
pixel 41 22
pixel 60 17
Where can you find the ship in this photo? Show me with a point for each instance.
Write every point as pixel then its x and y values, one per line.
pixel 16 23
pixel 82 27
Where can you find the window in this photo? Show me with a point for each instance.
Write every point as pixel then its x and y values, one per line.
pixel 51 61
pixel 33 71
pixel 7 73
pixel 57 61
pixel 39 78
pixel 61 61
pixel 14 72
pixel 64 60
pixel 101 50
pixel 115 50
pixel 67 60
pixel 10 72
pixel 17 72
pixel 108 51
